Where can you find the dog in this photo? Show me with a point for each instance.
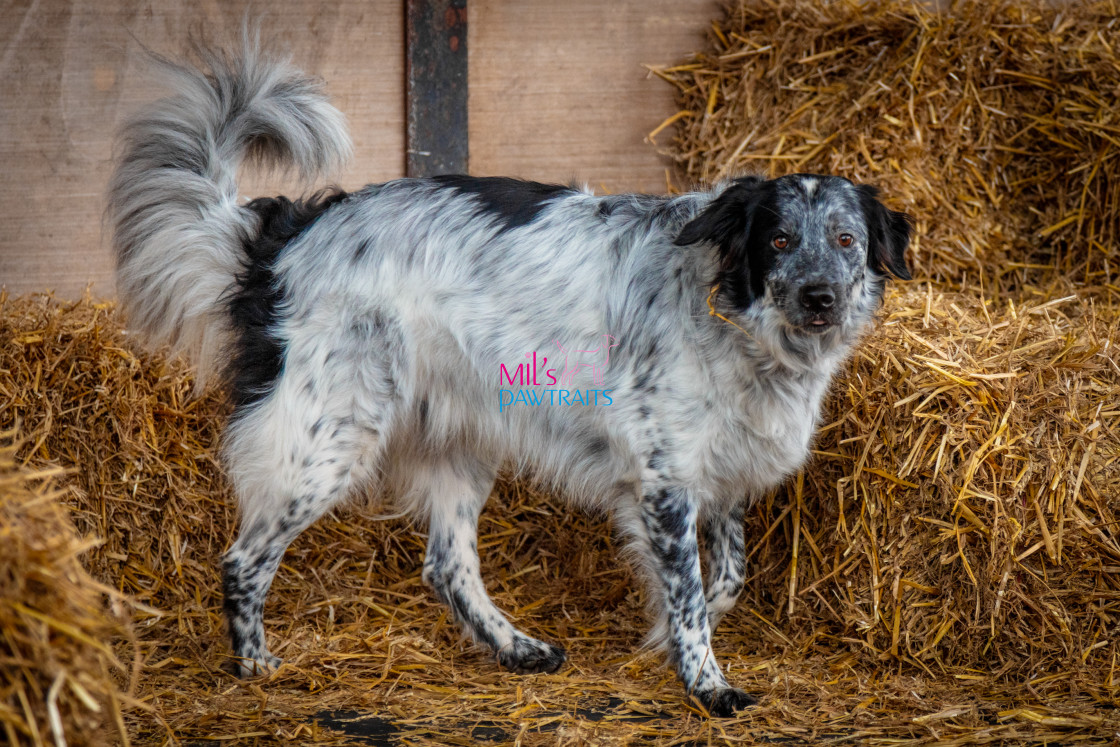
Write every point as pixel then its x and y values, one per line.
pixel 361 336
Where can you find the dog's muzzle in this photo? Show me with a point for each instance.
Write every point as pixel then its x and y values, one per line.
pixel 817 307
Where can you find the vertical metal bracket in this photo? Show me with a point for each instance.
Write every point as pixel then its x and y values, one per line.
pixel 436 70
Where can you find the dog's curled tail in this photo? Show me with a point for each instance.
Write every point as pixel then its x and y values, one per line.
pixel 178 233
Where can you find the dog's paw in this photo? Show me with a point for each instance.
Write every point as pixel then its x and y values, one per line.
pixel 530 656
pixel 725 701
pixel 246 668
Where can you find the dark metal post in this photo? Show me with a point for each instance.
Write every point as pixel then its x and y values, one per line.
pixel 436 69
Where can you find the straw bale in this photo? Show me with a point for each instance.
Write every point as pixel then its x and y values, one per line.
pixel 960 511
pixel 997 122
pixel 59 673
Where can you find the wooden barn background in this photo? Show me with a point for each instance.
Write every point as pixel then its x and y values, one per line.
pixel 557 91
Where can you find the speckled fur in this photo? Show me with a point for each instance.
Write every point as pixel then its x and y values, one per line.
pixel 390 310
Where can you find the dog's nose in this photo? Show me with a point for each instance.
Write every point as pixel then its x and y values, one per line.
pixel 817 298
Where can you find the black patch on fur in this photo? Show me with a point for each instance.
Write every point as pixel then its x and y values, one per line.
pixel 737 222
pixel 889 233
pixel 360 252
pixel 726 701
pixel 258 355
pixel 513 201
pixel 527 656
pixel 233 596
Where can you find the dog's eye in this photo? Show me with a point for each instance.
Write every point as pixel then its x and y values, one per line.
pixel 781 241
pixel 845 239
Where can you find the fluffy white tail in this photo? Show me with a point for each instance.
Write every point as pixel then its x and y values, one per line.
pixel 178 232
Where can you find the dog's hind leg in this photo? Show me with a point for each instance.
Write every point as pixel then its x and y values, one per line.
pixel 726 554
pixel 455 490
pixel 318 433
pixel 289 469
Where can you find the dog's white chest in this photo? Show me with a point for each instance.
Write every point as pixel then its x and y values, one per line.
pixel 761 437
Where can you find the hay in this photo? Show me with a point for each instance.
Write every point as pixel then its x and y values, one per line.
pixel 960 517
pixel 960 512
pixel 996 123
pixel 348 609
pixel 58 672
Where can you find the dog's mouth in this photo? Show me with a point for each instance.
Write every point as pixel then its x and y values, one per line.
pixel 817 324
pixel 810 324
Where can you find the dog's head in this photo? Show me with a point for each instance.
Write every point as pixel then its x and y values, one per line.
pixel 812 246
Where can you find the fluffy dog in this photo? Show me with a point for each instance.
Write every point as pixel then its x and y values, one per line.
pixel 365 338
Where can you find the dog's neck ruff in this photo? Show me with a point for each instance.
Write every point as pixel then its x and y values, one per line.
pixel 778 350
pixel 712 312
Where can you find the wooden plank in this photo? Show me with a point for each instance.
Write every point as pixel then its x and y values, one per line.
pixel 558 91
pixel 436 65
pixel 73 70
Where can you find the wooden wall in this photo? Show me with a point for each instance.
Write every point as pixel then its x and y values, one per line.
pixel 557 92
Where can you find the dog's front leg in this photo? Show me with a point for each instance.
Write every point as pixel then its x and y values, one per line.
pixel 723 542
pixel 669 515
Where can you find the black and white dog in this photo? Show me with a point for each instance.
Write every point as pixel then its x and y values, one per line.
pixel 413 337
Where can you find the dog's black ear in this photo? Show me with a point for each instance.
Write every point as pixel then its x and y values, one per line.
pixel 889 234
pixel 726 219
pixel 726 223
